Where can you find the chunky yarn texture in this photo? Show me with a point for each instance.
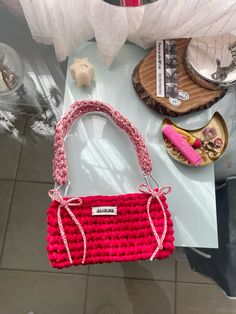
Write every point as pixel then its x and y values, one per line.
pixel 80 108
pixel 142 228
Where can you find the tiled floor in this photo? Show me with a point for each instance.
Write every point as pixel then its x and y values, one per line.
pixel 27 283
pixel 203 299
pixel 10 150
pixel 131 295
pixel 35 158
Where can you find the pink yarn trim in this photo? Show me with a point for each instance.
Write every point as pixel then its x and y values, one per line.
pixel 156 194
pixel 55 195
pixel 66 203
pixel 60 169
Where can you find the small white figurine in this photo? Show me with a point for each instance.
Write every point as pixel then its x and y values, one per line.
pixel 82 72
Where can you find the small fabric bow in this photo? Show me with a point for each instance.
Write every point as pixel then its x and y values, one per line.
pixel 144 188
pixel 55 195
pixel 156 194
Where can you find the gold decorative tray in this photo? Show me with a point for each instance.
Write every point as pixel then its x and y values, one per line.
pixel 208 152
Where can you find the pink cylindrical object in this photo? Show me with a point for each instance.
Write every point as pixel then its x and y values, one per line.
pixel 182 145
pixel 131 3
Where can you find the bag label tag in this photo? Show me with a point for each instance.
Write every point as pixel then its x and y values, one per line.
pixel 104 210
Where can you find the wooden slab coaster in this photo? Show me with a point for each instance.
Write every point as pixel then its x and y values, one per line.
pixel 144 82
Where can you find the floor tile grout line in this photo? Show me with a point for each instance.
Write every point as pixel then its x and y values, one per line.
pixel 48 272
pixel 26 181
pixel 31 181
pixel 11 201
pixel 7 221
pixel 17 172
pixel 176 270
pixel 21 138
pixel 86 294
pixel 131 278
pixel 81 274
pixel 197 283
pixel 100 276
pixel 21 146
pixel 18 159
pixel 7 180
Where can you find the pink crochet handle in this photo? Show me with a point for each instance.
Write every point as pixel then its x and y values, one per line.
pixel 79 108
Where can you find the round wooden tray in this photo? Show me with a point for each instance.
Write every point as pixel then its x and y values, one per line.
pixel 144 82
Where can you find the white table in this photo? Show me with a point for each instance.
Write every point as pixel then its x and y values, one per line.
pixel 102 159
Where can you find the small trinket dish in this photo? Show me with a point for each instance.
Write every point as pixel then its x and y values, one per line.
pixel 210 150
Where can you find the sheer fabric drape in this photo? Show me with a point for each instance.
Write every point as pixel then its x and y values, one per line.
pixel 67 24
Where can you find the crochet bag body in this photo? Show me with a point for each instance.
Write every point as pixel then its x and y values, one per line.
pixel 103 229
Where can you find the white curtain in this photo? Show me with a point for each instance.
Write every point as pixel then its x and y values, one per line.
pixel 68 23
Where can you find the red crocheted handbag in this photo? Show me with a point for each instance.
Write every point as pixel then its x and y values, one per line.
pixel 99 229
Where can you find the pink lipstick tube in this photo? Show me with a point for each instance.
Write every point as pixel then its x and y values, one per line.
pixel 182 145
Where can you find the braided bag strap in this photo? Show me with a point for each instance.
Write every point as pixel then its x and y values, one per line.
pixel 79 108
